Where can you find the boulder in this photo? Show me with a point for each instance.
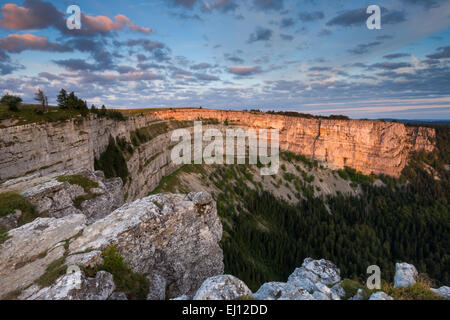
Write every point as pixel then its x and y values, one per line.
pixel 176 236
pixel 223 287
pixel 405 275
pixel 272 291
pixel 32 247
pixel 380 295
pixel 338 290
pixel 157 289
pixel 297 294
pixel 443 291
pixel 76 286
pixel 315 272
pixel 360 295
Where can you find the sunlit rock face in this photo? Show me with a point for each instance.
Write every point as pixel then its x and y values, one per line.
pixel 368 146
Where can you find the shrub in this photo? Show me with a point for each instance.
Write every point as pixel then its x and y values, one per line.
pixel 419 291
pixel 12 102
pixel 134 285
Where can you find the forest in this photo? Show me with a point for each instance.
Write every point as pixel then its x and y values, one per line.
pixel 407 219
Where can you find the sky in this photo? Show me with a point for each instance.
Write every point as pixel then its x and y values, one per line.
pixel 307 56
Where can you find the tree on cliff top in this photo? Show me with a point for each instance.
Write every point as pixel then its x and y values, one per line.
pixel 62 99
pixel 42 99
pixel 11 101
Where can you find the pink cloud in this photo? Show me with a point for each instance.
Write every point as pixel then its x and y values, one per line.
pixel 105 24
pixel 18 43
pixel 19 18
pixel 137 28
pixel 244 70
pixel 39 15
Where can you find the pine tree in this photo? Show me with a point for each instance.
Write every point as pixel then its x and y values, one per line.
pixel 62 99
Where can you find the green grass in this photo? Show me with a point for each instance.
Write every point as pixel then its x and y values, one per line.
pixel 134 285
pixel 3 235
pixel 78 179
pixel 29 113
pixel 53 271
pixel 11 201
pixel 351 288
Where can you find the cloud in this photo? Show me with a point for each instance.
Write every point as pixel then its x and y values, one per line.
pixel 269 4
pixel 391 65
pixel 364 48
pixel 206 77
pixel 286 37
pixel 287 22
pixel 17 43
pixel 184 3
pixel 207 5
pixel 260 34
pixel 396 56
pixel 359 17
pixel 425 3
pixel 76 65
pixel 444 53
pixel 223 5
pixel 244 70
pixel 34 15
pixel 49 76
pixel 311 16
pixel 201 66
pixel 6 66
pixel 140 29
pixel 37 14
pixel 233 58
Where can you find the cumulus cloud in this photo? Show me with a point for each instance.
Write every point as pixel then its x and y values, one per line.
pixel 244 70
pixel 17 43
pixel 37 14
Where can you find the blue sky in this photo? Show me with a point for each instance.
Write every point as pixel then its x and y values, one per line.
pixel 303 55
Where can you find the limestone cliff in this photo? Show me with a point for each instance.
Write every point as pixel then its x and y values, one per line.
pixel 43 148
pixel 367 146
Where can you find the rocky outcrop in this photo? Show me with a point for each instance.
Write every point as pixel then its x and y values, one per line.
pixel 222 287
pixel 158 285
pixel 405 275
pixel 443 292
pixel 31 248
pixel 380 295
pixel 173 236
pixel 309 282
pixel 76 286
pixel 56 199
